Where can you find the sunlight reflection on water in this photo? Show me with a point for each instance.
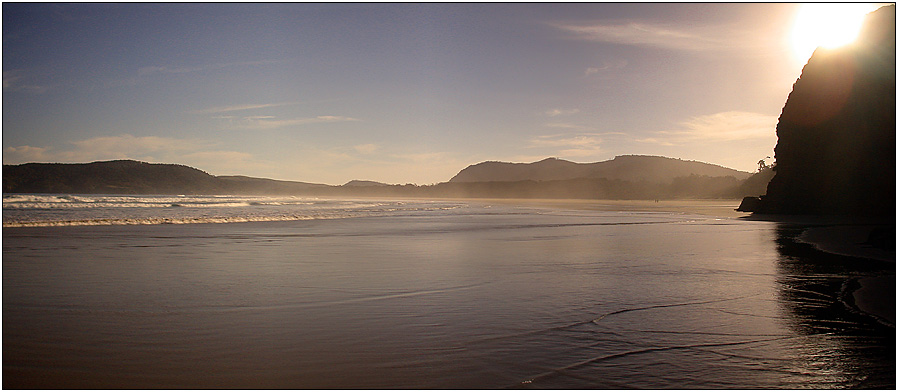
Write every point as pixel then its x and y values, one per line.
pixel 435 300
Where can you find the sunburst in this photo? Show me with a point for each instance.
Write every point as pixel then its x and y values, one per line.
pixel 827 25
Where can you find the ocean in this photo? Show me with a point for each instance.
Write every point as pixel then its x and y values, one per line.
pixel 186 292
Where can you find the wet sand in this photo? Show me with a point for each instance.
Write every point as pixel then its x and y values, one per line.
pixel 876 294
pixel 835 235
pixel 847 240
pixel 474 297
pixel 723 208
pixel 876 297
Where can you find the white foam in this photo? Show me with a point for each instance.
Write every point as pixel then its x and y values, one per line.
pixel 81 210
pixel 176 221
pixel 78 201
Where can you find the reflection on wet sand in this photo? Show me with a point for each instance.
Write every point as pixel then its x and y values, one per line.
pixel 470 297
pixel 846 345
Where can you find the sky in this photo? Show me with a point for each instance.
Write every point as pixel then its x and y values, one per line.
pixel 397 93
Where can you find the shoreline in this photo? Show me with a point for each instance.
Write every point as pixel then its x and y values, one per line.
pixel 867 296
pixel 718 208
pixel 867 238
pixel 873 296
pixel 852 240
pixel 721 208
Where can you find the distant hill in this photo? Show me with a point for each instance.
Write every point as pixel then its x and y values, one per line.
pixel 364 183
pixel 113 177
pixel 636 168
pixel 242 185
pixel 686 187
pixel 133 177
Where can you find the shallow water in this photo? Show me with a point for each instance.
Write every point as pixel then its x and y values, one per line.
pixel 435 295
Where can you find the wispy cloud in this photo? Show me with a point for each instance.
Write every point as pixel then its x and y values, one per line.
pixel 233 118
pixel 235 108
pixel 154 69
pixel 569 126
pixel 723 126
pixel 14 81
pixel 24 154
pixel 128 147
pixel 606 66
pixel 561 112
pixel 123 146
pixel 646 34
pixel 158 69
pixel 567 145
pixel 272 122
pixel 366 148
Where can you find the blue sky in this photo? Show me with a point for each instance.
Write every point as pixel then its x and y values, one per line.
pixel 398 93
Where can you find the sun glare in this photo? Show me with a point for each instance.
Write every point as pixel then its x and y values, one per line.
pixel 827 25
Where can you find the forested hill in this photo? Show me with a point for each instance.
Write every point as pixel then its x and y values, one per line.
pixel 133 177
pixel 633 168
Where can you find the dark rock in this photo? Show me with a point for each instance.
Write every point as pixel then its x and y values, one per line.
pixel 882 238
pixel 749 204
pixel 835 152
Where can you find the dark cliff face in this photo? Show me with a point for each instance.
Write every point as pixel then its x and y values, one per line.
pixel 836 147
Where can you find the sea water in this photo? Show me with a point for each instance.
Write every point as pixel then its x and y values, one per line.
pixel 263 292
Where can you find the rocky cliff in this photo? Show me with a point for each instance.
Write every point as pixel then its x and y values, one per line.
pixel 835 152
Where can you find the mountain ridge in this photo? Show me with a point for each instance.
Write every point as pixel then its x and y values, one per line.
pixel 134 177
pixel 650 168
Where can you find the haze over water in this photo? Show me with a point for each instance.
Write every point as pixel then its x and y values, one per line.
pixel 421 294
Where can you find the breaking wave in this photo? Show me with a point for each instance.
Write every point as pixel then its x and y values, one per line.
pixel 160 221
pixel 78 201
pixel 24 210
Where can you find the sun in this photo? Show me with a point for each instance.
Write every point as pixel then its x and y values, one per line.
pixel 827 25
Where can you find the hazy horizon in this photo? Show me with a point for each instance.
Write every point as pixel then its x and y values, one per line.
pixel 395 93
